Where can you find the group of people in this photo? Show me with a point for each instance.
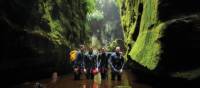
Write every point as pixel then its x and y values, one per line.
pixel 90 63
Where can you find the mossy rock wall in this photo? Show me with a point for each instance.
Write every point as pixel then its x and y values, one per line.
pixel 36 36
pixel 162 35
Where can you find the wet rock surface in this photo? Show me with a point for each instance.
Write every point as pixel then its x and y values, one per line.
pixel 163 38
pixel 36 36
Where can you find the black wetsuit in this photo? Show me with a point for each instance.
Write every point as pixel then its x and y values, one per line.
pixel 90 64
pixel 79 63
pixel 117 62
pixel 103 58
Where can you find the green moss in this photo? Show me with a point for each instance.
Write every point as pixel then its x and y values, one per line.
pixel 146 49
pixel 112 45
pixel 91 5
pixel 65 21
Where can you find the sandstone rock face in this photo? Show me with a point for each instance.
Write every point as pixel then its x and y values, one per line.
pixel 163 35
pixel 36 36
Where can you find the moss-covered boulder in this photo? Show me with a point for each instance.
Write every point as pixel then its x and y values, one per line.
pixel 36 36
pixel 163 35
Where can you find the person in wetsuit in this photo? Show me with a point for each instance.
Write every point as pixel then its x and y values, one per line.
pixel 79 63
pixel 90 63
pixel 103 58
pixel 117 63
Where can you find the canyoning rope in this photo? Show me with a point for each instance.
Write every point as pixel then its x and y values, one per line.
pixel 97 61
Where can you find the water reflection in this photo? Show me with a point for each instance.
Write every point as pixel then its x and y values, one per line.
pixel 68 82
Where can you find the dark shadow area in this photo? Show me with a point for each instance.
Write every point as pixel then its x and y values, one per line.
pixel 180 46
pixel 143 75
pixel 26 56
pixel 137 28
pixel 21 63
pixel 168 9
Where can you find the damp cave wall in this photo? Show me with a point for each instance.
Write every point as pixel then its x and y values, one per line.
pixel 36 36
pixel 162 36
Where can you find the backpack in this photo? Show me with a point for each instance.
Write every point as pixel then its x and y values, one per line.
pixel 72 55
